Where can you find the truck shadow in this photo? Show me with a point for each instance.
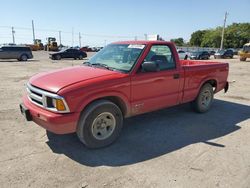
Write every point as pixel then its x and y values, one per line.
pixel 154 134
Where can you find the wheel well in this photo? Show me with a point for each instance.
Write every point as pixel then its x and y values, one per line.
pixel 212 82
pixel 23 54
pixel 116 100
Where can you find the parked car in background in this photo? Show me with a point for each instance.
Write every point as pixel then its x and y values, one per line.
pixel 182 54
pixel 69 53
pixel 21 53
pixel 245 52
pixel 212 52
pixel 235 51
pixel 224 54
pixel 86 49
pixel 199 55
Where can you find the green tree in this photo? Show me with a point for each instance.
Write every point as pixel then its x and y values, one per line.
pixel 212 38
pixel 236 35
pixel 178 41
pixel 197 37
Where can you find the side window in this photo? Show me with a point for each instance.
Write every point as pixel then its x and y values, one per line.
pixel 162 55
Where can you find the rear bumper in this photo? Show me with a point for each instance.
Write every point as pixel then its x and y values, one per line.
pixel 53 122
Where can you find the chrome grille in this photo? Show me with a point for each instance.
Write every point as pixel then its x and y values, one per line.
pixel 40 97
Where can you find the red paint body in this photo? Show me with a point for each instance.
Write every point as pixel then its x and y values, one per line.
pixel 138 92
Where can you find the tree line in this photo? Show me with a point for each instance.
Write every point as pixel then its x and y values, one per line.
pixel 236 35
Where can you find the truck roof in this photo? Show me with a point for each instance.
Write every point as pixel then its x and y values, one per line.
pixel 143 42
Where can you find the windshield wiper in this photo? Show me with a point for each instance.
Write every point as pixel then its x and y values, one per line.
pixel 102 65
pixel 87 63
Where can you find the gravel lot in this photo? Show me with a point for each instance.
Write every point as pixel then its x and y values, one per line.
pixel 169 148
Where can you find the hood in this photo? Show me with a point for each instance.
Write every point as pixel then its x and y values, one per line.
pixel 55 80
pixel 217 53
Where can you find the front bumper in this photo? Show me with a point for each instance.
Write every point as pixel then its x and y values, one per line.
pixel 218 56
pixel 53 122
pixel 193 57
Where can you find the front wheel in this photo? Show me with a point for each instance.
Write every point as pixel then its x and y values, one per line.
pixel 204 100
pixel 243 59
pixel 58 57
pixel 80 57
pixel 100 124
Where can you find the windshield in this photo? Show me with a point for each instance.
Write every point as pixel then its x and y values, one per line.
pixel 246 48
pixel 221 51
pixel 195 53
pixel 120 57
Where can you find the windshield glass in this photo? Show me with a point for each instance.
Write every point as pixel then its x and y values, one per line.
pixel 195 53
pixel 246 48
pixel 121 57
pixel 221 51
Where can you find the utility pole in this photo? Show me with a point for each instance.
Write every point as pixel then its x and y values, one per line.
pixel 72 37
pixel 146 36
pixel 13 34
pixel 80 45
pixel 223 30
pixel 33 30
pixel 135 37
pixel 60 39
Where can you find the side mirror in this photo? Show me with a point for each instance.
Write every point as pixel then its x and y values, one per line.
pixel 150 66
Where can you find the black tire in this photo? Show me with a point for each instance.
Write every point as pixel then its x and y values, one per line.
pixel 86 125
pixel 23 57
pixel 58 57
pixel 186 56
pixel 204 100
pixel 80 57
pixel 243 59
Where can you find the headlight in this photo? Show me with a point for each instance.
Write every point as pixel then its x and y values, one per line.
pixel 47 100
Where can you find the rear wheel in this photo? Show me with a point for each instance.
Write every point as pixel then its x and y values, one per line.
pixel 204 100
pixel 24 57
pixel 243 59
pixel 100 124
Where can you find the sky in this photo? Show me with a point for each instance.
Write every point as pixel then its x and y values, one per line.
pixel 102 22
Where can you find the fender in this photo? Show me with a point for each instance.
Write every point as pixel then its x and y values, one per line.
pixel 99 95
pixel 204 81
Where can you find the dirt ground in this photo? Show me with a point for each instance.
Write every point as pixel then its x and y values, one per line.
pixel 169 148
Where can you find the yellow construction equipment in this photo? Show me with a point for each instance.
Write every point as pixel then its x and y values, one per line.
pixel 38 45
pixel 51 44
pixel 245 52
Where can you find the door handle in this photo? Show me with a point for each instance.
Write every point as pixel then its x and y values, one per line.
pixel 176 76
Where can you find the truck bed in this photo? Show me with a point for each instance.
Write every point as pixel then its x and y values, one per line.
pixel 197 72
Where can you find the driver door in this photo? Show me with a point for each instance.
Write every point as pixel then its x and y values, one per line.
pixel 154 90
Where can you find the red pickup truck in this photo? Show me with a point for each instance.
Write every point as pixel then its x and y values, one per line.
pixel 124 79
